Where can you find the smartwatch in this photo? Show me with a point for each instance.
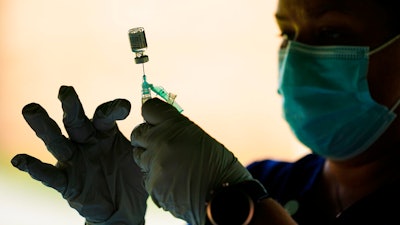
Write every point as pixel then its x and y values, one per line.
pixel 234 204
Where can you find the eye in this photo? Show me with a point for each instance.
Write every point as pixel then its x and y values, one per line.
pixel 329 33
pixel 332 36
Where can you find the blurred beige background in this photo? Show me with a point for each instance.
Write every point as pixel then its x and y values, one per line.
pixel 218 56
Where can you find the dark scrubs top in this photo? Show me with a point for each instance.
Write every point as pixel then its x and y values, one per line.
pixel 292 184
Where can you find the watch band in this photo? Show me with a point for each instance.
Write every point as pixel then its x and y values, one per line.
pixel 235 204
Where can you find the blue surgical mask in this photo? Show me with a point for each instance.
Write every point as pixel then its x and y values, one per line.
pixel 326 99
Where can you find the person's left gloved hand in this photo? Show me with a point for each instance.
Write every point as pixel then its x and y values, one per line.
pixel 183 163
pixel 95 171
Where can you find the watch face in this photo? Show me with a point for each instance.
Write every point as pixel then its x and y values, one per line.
pixel 230 206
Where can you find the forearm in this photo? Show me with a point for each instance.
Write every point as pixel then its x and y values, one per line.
pixel 270 212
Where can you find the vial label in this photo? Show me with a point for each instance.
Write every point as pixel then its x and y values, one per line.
pixel 137 38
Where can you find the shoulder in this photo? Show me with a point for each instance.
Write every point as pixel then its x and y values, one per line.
pixel 275 169
pixel 285 179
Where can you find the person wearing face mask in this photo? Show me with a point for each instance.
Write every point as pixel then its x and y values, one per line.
pixel 339 78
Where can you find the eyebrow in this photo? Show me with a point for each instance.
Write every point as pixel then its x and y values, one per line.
pixel 281 17
pixel 314 12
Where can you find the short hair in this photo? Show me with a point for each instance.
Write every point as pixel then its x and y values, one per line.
pixel 393 9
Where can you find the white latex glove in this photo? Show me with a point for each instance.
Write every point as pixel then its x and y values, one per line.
pixel 182 162
pixel 95 171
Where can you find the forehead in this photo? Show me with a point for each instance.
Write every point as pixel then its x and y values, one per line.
pixel 366 22
pixel 312 8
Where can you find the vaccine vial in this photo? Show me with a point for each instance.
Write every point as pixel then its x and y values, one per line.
pixel 138 42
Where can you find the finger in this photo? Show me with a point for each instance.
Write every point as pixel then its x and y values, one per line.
pixel 139 141
pixel 48 130
pixel 48 174
pixel 155 111
pixel 139 135
pixel 142 158
pixel 76 123
pixel 107 113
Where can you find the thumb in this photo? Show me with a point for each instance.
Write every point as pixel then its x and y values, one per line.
pixel 155 111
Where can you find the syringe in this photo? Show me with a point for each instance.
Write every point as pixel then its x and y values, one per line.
pixel 160 91
pixel 139 45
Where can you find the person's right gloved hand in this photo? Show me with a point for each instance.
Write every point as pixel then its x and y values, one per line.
pixel 183 163
pixel 95 171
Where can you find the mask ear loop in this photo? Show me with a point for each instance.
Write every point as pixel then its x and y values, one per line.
pixel 395 105
pixel 384 45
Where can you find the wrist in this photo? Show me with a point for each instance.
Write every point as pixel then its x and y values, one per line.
pixel 235 204
pixel 270 212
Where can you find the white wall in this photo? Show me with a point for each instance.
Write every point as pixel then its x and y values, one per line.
pixel 218 56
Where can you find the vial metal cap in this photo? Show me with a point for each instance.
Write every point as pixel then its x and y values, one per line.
pixel 142 59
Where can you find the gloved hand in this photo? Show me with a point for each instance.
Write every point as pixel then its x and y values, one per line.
pixel 183 163
pixel 95 171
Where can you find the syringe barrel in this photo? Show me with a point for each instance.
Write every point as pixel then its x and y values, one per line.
pixel 146 94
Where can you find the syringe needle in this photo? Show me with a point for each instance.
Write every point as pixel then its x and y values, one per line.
pixel 139 45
